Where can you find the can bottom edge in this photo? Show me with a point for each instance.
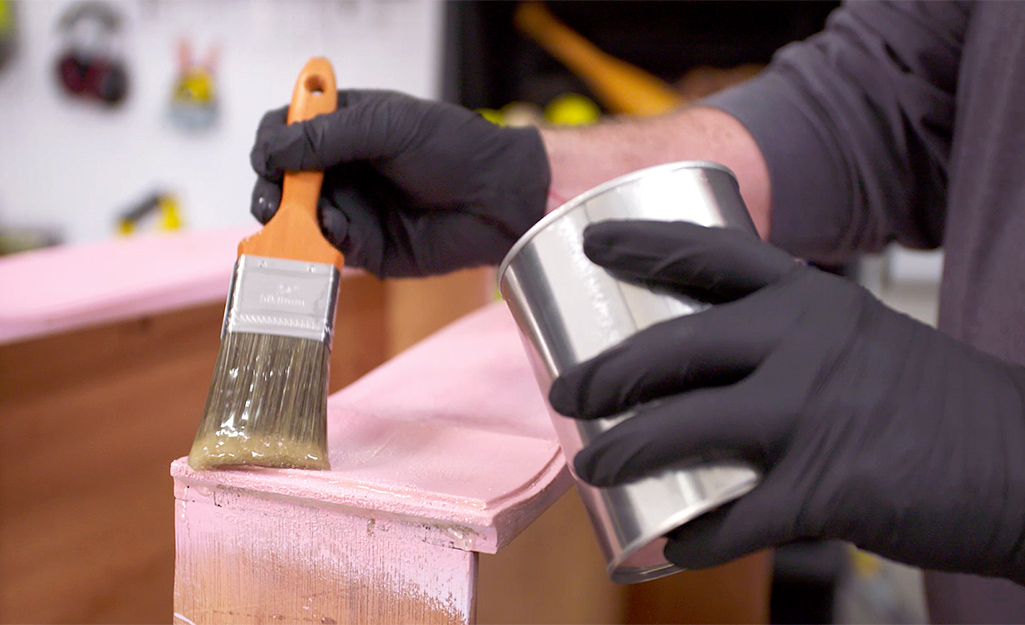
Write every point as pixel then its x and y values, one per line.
pixel 620 574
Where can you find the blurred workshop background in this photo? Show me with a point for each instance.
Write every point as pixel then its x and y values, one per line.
pixel 123 117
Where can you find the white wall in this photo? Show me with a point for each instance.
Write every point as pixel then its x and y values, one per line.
pixel 73 165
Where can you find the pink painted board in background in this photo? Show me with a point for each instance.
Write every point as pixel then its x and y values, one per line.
pixel 68 287
pixel 64 288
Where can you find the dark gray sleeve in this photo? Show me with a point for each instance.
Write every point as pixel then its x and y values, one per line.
pixel 855 124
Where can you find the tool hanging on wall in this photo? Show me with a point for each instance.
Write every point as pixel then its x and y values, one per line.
pixel 90 65
pixel 194 97
pixel 159 211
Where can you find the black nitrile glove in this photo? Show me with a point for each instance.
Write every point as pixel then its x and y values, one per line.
pixel 869 426
pixel 411 187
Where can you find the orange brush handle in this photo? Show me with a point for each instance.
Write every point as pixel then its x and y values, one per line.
pixel 294 233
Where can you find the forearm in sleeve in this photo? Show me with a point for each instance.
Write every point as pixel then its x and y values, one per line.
pixel 854 125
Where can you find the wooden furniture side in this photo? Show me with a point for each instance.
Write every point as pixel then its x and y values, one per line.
pixel 555 573
pixel 418 307
pixel 90 419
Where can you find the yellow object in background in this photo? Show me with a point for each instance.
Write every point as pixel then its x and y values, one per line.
pixel 163 206
pixel 493 116
pixel 572 109
pixel 865 564
pixel 618 85
pixel 196 86
pixel 170 214
pixel 194 96
pixel 6 19
pixel 7 39
pixel 567 109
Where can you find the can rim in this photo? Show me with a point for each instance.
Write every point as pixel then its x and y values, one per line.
pixel 682 517
pixel 570 205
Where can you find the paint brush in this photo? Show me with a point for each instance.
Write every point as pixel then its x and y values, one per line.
pixel 267 404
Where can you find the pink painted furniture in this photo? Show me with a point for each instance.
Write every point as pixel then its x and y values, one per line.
pixel 443 452
pixel 65 288
pixel 106 354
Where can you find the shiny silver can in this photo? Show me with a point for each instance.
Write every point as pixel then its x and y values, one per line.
pixel 568 310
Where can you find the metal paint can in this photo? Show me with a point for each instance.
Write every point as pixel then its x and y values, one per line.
pixel 568 310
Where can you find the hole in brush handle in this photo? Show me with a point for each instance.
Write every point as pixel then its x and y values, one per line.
pixel 315 85
pixel 314 93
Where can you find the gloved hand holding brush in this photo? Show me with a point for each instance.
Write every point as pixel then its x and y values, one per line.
pixel 411 187
pixel 869 426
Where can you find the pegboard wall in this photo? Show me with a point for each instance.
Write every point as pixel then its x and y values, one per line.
pixel 74 165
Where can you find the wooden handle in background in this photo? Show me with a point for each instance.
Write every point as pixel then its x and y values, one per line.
pixel 294 233
pixel 622 87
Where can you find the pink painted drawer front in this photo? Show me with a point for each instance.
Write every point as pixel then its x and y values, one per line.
pixel 452 432
pixel 67 287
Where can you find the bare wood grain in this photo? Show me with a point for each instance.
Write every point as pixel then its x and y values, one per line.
pixel 553 572
pixel 736 592
pixel 417 307
pixel 90 421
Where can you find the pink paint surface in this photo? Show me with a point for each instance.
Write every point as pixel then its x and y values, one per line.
pixel 342 558
pixel 453 432
pixel 68 287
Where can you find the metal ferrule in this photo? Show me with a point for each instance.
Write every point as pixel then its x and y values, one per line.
pixel 282 297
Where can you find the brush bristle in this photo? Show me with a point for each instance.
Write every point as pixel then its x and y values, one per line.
pixel 267 404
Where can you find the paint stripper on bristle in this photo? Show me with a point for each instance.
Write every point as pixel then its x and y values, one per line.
pixel 267 404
